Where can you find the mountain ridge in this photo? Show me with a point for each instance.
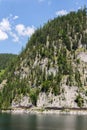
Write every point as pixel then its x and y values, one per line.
pixel 52 70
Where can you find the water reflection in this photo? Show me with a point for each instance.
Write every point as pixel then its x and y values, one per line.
pixel 81 123
pixel 42 122
pixel 62 122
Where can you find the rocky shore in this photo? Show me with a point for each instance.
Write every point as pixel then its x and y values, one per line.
pixel 45 111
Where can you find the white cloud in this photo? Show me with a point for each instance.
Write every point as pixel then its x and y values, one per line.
pixel 15 37
pixel 20 29
pixel 9 29
pixel 5 25
pixel 3 35
pixel 15 17
pixel 4 28
pixel 29 31
pixel 61 12
pixel 24 31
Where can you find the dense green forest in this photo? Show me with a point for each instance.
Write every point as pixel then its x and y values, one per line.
pixel 5 59
pixel 48 59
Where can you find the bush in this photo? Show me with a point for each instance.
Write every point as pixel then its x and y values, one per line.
pixel 34 95
pixel 56 90
pixel 79 100
pixel 46 85
pixel 77 78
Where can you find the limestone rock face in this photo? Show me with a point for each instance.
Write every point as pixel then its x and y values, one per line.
pixel 22 102
pixel 83 56
pixel 66 99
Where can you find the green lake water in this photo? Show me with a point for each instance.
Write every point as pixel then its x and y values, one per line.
pixel 42 122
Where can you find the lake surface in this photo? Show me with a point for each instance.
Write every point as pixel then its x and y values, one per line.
pixel 42 122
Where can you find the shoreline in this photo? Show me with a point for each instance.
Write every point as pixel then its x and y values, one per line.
pixel 44 111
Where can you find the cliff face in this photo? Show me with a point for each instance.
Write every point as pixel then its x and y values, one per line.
pixel 52 69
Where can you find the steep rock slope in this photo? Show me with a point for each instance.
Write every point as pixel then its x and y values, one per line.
pixel 52 70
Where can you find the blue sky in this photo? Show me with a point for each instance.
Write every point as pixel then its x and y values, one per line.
pixel 20 18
